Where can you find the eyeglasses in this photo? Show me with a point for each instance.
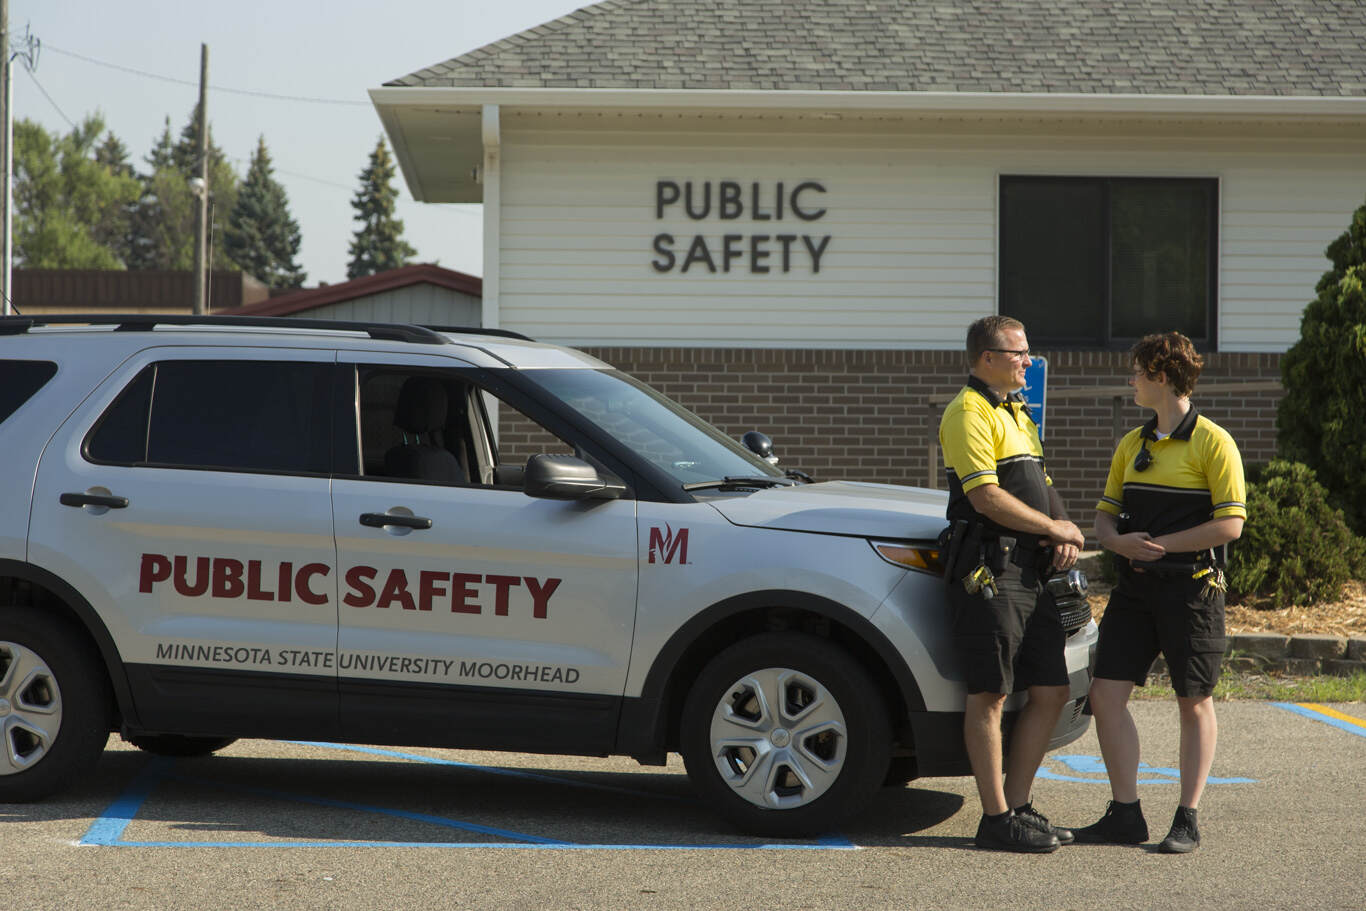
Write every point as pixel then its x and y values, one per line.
pixel 1143 459
pixel 1021 354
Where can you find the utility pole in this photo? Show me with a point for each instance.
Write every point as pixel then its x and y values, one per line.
pixel 201 212
pixel 6 161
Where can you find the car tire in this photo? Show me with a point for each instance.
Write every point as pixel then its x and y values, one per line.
pixel 54 705
pixel 180 746
pixel 785 734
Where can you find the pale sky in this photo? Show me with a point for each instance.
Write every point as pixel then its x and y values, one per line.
pixel 334 50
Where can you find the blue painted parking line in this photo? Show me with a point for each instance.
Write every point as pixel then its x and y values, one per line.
pixel 1095 766
pixel 109 830
pixel 1329 716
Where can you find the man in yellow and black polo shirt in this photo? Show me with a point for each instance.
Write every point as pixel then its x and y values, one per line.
pixel 1011 531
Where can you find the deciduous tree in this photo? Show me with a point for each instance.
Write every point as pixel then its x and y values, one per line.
pixel 68 202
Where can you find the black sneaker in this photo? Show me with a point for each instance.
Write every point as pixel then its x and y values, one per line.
pixel 1122 824
pixel 1012 833
pixel 1036 820
pixel 1185 834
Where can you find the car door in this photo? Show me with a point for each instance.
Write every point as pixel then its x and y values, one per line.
pixel 472 614
pixel 187 501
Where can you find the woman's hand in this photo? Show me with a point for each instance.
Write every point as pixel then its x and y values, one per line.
pixel 1137 545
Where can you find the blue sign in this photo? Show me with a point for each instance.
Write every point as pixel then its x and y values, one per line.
pixel 1036 382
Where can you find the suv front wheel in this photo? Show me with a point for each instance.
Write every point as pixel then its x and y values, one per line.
pixel 784 734
pixel 54 705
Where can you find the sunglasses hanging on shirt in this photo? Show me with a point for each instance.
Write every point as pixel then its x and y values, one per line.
pixel 1143 459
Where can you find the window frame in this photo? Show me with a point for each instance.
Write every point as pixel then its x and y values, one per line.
pixel 1039 337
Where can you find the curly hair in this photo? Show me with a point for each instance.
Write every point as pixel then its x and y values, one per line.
pixel 1168 354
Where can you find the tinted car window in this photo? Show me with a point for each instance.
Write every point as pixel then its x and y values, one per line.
pixel 19 380
pixel 243 415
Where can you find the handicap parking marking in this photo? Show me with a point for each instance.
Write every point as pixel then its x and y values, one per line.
pixel 1327 715
pixel 1094 766
pixel 109 829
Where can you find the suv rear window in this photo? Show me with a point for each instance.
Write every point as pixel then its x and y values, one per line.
pixel 19 380
pixel 235 415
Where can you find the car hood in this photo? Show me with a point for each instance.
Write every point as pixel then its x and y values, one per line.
pixel 842 508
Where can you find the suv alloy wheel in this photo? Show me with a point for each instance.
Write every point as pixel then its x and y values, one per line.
pixel 784 734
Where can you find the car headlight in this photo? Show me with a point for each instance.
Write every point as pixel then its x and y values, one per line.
pixel 920 557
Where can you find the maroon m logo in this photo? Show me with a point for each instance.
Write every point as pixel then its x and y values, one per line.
pixel 668 543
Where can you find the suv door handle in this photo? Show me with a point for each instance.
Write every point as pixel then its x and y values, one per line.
pixel 381 519
pixel 92 499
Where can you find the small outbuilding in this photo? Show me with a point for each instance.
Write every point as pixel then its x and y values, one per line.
pixel 424 294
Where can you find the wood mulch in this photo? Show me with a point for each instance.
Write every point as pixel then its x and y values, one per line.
pixel 1346 617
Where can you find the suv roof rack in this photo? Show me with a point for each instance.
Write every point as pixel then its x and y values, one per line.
pixel 145 322
pixel 479 330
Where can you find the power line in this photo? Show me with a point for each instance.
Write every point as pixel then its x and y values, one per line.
pixel 50 101
pixel 217 88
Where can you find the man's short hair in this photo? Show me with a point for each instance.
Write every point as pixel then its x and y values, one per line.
pixel 986 333
pixel 1168 354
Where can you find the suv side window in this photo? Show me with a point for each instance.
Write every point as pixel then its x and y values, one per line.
pixel 234 415
pixel 431 426
pixel 19 380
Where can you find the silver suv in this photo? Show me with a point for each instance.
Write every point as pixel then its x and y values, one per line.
pixel 215 528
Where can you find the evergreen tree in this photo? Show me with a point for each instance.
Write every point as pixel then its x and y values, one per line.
pixel 114 226
pixel 378 244
pixel 262 237
pixel 162 230
pixel 1320 418
pixel 67 202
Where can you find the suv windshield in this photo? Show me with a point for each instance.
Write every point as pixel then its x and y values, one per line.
pixel 661 431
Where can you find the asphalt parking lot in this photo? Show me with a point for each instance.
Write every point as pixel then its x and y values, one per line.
pixel 294 825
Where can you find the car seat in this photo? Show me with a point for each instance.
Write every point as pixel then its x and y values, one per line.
pixel 421 413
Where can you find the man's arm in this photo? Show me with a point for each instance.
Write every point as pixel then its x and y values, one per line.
pixel 1064 553
pixel 1009 511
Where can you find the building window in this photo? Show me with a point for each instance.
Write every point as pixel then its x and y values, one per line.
pixel 1091 262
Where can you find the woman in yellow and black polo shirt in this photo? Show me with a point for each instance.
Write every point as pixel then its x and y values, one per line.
pixel 1174 497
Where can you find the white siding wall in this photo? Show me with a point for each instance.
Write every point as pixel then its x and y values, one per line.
pixel 912 219
pixel 419 304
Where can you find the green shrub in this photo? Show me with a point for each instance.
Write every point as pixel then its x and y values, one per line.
pixel 1319 420
pixel 1296 548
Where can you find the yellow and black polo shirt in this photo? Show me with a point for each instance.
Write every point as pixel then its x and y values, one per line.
pixel 1195 475
pixel 990 440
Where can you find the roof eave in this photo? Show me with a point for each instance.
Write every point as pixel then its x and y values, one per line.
pixel 388 98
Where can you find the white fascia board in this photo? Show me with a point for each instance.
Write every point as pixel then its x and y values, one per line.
pixel 906 102
pixel 402 154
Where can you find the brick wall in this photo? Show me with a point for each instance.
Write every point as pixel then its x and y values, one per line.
pixel 865 415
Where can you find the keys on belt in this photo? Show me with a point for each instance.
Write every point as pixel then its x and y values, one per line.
pixel 980 580
pixel 1215 584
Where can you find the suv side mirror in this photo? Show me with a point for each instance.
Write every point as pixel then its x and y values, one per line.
pixel 567 477
pixel 759 444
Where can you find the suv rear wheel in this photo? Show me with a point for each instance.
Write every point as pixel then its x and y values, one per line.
pixel 54 705
pixel 784 734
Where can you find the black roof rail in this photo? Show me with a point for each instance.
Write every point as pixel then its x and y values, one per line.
pixel 479 330
pixel 144 322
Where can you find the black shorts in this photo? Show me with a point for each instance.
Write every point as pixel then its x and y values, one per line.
pixel 1148 614
pixel 1010 642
